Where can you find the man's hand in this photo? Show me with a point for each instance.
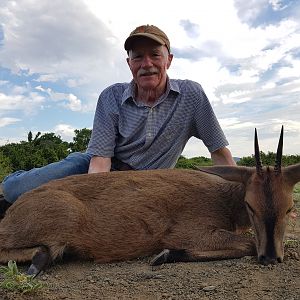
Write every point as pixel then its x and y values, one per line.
pixel 99 164
pixel 222 157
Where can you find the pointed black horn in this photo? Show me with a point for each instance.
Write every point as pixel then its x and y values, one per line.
pixel 277 167
pixel 257 155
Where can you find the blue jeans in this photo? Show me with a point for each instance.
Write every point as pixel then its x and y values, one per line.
pixel 20 182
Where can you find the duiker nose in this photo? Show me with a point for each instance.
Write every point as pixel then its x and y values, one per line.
pixel 265 260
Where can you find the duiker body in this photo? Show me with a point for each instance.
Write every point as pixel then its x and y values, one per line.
pixel 183 215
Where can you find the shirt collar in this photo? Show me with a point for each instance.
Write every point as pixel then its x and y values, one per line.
pixel 129 92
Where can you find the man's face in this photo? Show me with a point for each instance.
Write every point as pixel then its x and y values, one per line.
pixel 148 62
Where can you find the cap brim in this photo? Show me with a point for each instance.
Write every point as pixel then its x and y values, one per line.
pixel 129 41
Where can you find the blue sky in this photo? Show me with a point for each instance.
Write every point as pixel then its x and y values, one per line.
pixel 57 56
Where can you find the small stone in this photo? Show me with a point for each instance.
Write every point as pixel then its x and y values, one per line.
pixel 295 255
pixel 247 258
pixel 209 288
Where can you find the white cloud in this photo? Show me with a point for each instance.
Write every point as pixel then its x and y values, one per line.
pixel 235 123
pixel 277 4
pixel 66 131
pixel 4 141
pixel 291 71
pixel 7 121
pixel 248 10
pixel 290 125
pixel 68 100
pixel 48 78
pixel 79 45
pixel 28 104
pixel 74 103
pixel 3 82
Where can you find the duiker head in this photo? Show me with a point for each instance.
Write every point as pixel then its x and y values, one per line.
pixel 269 200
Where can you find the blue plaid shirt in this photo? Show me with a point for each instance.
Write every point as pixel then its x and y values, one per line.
pixel 153 137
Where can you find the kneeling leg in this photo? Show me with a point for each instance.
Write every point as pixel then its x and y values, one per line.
pixel 220 244
pixel 40 261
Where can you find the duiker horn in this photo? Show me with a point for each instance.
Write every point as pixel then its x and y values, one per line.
pixel 277 167
pixel 257 155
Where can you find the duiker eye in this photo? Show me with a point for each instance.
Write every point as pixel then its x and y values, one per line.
pixel 289 210
pixel 250 209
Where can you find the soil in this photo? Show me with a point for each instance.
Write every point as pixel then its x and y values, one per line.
pixel 229 279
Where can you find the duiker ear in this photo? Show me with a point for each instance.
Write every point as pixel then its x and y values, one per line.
pixel 231 173
pixel 292 174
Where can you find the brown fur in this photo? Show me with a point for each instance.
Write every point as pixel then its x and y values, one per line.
pixel 123 215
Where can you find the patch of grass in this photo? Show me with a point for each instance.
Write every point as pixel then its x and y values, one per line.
pixel 297 188
pixel 14 280
pixel 292 243
pixel 296 195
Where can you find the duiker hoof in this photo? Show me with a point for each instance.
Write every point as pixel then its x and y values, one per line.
pixel 161 258
pixel 33 270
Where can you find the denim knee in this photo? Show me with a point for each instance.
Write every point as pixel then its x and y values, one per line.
pixel 79 162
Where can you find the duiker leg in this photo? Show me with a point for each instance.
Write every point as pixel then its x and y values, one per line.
pixel 215 244
pixel 27 254
pixel 171 256
pixel 40 261
pixel 41 256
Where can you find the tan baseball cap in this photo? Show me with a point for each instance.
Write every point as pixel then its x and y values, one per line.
pixel 148 31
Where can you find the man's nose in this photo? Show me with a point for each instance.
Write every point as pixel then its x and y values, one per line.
pixel 147 61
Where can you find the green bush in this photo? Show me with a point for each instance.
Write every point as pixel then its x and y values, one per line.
pixel 5 166
pixel 269 159
pixel 190 163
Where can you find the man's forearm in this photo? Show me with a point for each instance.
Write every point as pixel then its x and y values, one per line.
pixel 99 164
pixel 223 157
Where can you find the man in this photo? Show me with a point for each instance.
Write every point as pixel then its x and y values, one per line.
pixel 143 124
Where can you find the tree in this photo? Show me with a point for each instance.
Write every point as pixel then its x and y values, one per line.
pixel 42 150
pixel 190 163
pixel 5 166
pixel 29 137
pixel 81 140
pixel 269 159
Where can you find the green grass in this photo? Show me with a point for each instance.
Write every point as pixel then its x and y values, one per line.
pixel 297 188
pixel 16 281
pixel 296 195
pixel 292 243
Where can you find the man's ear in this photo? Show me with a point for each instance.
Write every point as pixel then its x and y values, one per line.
pixel 170 58
pixel 128 62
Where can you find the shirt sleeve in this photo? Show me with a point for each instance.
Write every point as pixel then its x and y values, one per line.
pixel 103 139
pixel 207 127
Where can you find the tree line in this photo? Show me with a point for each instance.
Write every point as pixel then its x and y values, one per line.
pixel 42 149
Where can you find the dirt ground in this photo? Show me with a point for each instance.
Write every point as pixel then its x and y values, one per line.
pixel 230 279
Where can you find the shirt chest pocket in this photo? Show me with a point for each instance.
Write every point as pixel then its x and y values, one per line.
pixel 172 132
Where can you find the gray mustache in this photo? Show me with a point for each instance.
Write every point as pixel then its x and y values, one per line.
pixel 148 71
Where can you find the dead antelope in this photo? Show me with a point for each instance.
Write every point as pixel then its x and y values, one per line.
pixel 184 215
